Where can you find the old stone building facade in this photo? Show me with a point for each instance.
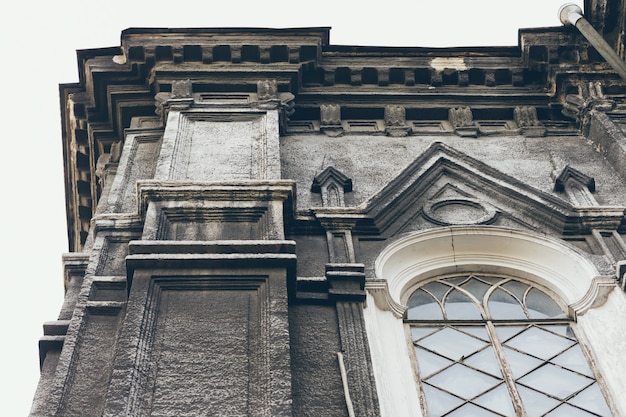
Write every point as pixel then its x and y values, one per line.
pixel 262 223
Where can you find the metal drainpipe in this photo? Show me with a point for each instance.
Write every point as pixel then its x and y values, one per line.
pixel 571 14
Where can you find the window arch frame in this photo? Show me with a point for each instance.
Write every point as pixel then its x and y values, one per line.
pixel 417 257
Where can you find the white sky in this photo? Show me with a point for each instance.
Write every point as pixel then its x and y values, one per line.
pixel 38 43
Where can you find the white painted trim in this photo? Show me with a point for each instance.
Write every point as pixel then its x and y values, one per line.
pixel 417 257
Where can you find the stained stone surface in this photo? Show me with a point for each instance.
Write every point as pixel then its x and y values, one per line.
pixel 189 163
pixel 207 368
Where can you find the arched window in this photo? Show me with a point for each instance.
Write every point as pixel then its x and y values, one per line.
pixel 491 345
pixel 529 309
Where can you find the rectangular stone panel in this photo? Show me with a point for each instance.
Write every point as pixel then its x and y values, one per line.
pixel 85 392
pixel 202 345
pixel 209 354
pixel 138 162
pixel 223 147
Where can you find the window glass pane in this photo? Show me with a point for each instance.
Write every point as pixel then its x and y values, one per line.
pixel 520 363
pixel 429 363
pixel 503 306
pixel 540 306
pixel 422 306
pixel 477 331
pixel 517 288
pixel 498 400
pixel 439 402
pixel 419 332
pixel 539 343
pixel 591 399
pixel 471 410
pixel 562 329
pixel 437 289
pixel 574 359
pixel 459 306
pixel 452 344
pixel 477 288
pixel 485 361
pixel 555 381
pixel 535 403
pixel 506 332
pixel 568 411
pixel 463 381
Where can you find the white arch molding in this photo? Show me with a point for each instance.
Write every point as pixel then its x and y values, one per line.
pixel 418 257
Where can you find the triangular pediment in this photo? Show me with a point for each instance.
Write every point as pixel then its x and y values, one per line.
pixel 445 187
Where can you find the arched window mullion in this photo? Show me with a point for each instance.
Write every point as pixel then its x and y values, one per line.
pixel 476 302
pixel 439 303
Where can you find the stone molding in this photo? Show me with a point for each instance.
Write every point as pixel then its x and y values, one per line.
pixel 411 260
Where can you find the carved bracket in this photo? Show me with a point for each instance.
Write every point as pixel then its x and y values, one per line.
pixel 395 121
pixel 526 119
pixel 462 120
pixel 330 120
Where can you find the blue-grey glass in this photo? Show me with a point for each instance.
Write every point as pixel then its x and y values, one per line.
pixel 437 289
pixel 503 306
pixel 456 280
pixel 574 359
pixel 498 400
pixel 417 332
pixel 486 361
pixel 540 305
pixel 430 363
pixel 489 280
pixel 562 329
pixel 459 306
pixel 422 306
pixel 452 344
pixel 539 343
pixel 518 289
pixel 477 331
pixel 439 402
pixel 555 381
pixel 506 332
pixel 477 288
pixel 520 363
pixel 568 411
pixel 463 381
pixel 535 403
pixel 592 399
pixel 471 410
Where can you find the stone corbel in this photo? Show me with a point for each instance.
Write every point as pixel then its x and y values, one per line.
pixel 395 121
pixel 597 294
pixel 180 98
pixel 526 119
pixel 330 120
pixel 463 122
pixel 379 291
pixel 269 98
